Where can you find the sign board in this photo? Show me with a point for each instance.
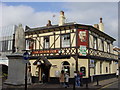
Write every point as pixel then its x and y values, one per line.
pixel 45 51
pixel 92 63
pixel 83 50
pixel 82 37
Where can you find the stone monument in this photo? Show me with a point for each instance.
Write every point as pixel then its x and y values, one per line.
pixel 16 66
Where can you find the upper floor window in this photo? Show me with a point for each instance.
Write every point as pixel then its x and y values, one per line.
pixel 66 40
pixel 29 43
pixel 102 45
pixel 108 47
pixel 6 45
pixel 94 42
pixel 46 42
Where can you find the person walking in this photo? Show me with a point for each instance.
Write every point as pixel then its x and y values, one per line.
pixel 66 79
pixel 62 78
pixel 81 79
pixel 78 79
pixel 29 74
pixel 117 73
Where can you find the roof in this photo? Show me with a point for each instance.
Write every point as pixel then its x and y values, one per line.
pixel 88 27
pixel 45 60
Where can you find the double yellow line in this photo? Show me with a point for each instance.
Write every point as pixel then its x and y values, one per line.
pixel 108 85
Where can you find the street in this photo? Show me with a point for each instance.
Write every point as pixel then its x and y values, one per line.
pixel 114 85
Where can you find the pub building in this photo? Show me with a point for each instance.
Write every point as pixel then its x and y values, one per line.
pixel 71 47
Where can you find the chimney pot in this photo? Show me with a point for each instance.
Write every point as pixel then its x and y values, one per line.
pixel 101 25
pixel 62 18
pixel 96 26
pixel 49 23
pixel 62 13
pixel 101 20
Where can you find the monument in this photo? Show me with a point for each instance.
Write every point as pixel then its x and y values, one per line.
pixel 16 66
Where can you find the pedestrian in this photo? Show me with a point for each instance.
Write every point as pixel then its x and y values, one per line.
pixel 75 79
pixel 66 79
pixel 81 79
pixel 62 79
pixel 29 74
pixel 117 73
pixel 78 79
pixel 43 77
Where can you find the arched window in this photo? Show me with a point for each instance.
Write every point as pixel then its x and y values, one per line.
pixel 66 66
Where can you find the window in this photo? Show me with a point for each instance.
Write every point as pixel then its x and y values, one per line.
pixel 94 42
pixel 106 69
pixel 66 40
pixel 46 42
pixel 100 67
pixel 27 44
pixel 102 42
pixel 109 67
pixel 5 45
pixel 10 45
pixel 108 47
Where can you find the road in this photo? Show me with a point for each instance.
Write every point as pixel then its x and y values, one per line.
pixel 114 85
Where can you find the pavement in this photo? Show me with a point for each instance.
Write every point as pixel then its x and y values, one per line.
pixel 48 86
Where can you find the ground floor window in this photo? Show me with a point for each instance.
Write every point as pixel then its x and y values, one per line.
pixel 66 66
pixel 100 67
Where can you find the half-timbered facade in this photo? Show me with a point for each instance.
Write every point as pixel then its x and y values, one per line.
pixel 70 47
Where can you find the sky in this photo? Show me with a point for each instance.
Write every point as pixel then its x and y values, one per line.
pixel 36 14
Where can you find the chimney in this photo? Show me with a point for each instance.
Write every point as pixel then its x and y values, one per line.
pixel 49 23
pixel 101 25
pixel 96 26
pixel 62 18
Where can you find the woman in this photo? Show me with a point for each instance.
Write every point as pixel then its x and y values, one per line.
pixel 62 78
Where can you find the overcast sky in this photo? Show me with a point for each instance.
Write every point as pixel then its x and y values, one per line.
pixel 36 14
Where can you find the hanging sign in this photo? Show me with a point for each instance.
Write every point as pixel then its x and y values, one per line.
pixel 83 50
pixel 82 37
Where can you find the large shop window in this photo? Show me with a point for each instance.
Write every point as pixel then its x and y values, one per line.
pixel 94 42
pixel 66 40
pixel 46 42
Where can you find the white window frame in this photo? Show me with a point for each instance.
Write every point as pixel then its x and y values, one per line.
pixel 66 40
pixel 46 43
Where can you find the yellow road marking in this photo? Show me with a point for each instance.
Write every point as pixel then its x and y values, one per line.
pixel 108 85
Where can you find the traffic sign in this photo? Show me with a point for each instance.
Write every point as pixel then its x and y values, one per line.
pixel 26 56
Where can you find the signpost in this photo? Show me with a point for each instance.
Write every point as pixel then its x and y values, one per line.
pixel 26 58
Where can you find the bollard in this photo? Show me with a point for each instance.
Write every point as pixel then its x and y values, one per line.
pixel 74 84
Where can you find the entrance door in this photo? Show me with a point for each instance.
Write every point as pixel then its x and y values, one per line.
pixel 45 70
